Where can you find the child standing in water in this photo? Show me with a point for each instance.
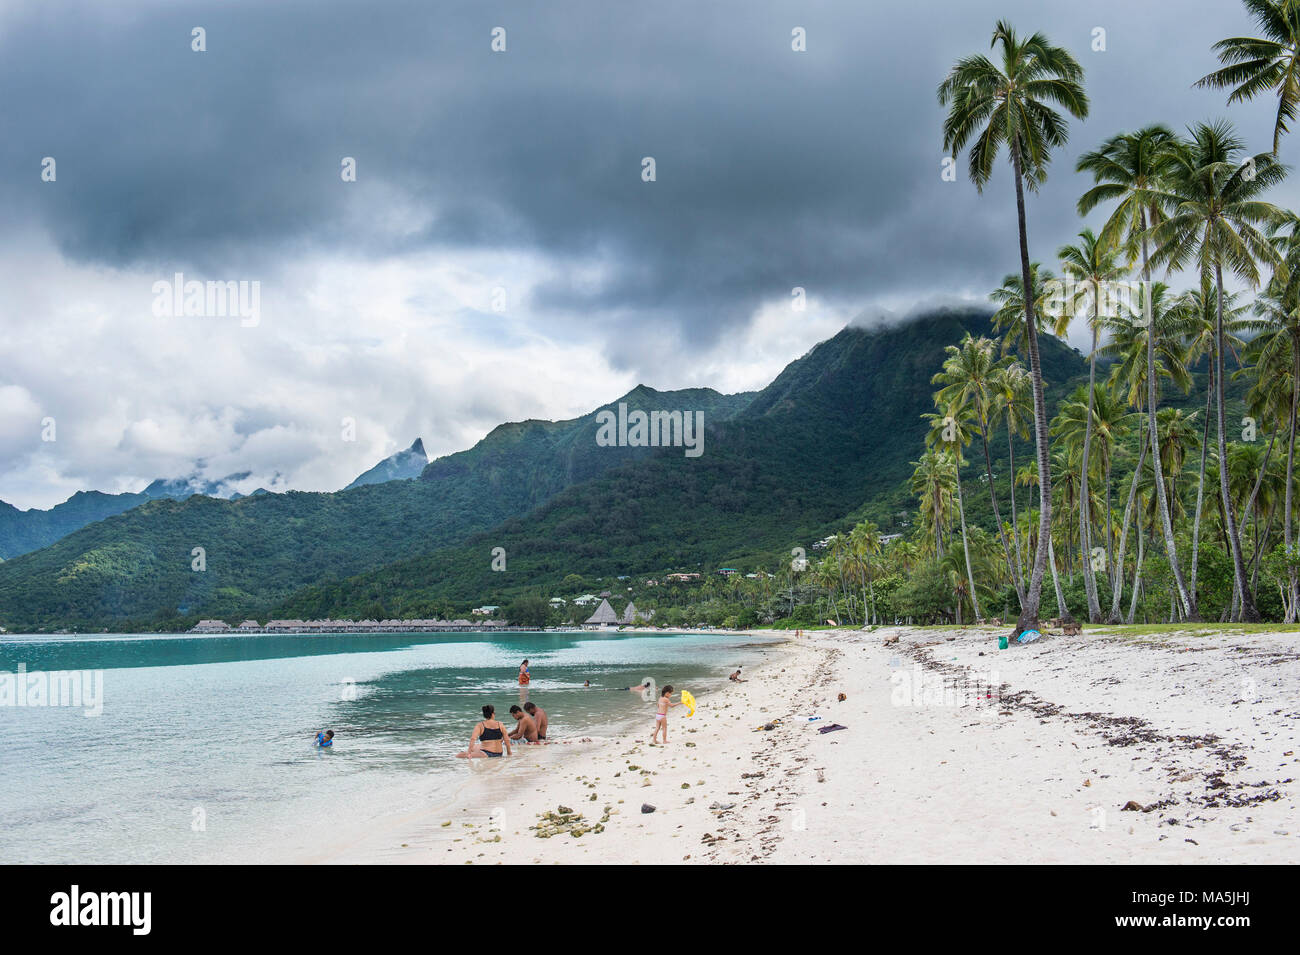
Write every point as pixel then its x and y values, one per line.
pixel 661 718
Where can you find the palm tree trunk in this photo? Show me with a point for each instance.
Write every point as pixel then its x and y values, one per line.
pixel 1033 596
pixel 1290 480
pixel 1250 506
pixel 1137 573
pixel 1085 518
pixel 1162 503
pixel 1062 611
pixel 1110 531
pixel 1200 486
pixel 1117 584
pixel 1248 612
pixel 1015 526
pixel 970 577
pixel 997 515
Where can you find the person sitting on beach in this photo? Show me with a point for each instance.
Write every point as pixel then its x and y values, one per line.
pixel 325 739
pixel 487 738
pixel 525 728
pixel 539 717
pixel 661 718
pixel 524 676
pixel 735 677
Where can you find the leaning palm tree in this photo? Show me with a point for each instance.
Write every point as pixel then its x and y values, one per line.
pixel 1129 168
pixel 1255 64
pixel 1012 104
pixel 1094 266
pixel 1215 211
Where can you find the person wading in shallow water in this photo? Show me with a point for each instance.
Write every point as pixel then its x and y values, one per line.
pixel 539 717
pixel 525 729
pixel 488 737
pixel 524 676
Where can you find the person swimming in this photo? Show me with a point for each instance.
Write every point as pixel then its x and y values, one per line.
pixel 488 737
pixel 325 739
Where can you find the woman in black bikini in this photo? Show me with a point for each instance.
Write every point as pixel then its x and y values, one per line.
pixel 488 737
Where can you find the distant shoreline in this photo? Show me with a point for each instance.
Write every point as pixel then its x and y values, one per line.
pixel 359 630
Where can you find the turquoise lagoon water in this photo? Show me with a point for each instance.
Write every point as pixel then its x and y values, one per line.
pixel 202 752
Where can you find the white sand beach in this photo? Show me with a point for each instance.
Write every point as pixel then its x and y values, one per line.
pixel 1196 732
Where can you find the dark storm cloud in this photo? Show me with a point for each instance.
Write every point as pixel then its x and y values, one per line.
pixel 775 168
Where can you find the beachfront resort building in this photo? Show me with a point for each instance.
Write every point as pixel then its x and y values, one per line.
pixel 603 617
pixel 211 626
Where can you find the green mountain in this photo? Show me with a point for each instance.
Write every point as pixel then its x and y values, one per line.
pixel 402 466
pixel 134 569
pixel 837 428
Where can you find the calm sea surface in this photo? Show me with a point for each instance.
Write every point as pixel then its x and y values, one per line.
pixel 203 750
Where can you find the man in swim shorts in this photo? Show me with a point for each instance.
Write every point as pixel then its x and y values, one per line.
pixel 539 717
pixel 525 728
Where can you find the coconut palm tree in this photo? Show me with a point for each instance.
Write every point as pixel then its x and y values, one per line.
pixel 1276 353
pixel 1129 168
pixel 1215 214
pixel 933 480
pixel 1028 476
pixel 1012 104
pixel 969 377
pixel 865 540
pixel 950 431
pixel 1199 342
pixel 1009 297
pixel 1094 266
pixel 1111 421
pixel 1013 407
pixel 1253 65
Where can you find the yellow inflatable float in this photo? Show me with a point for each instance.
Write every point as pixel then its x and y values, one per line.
pixel 688 701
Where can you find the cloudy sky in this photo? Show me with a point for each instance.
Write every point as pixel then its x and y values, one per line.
pixel 499 255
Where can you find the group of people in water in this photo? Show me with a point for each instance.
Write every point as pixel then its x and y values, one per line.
pixel 491 738
pixel 490 734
